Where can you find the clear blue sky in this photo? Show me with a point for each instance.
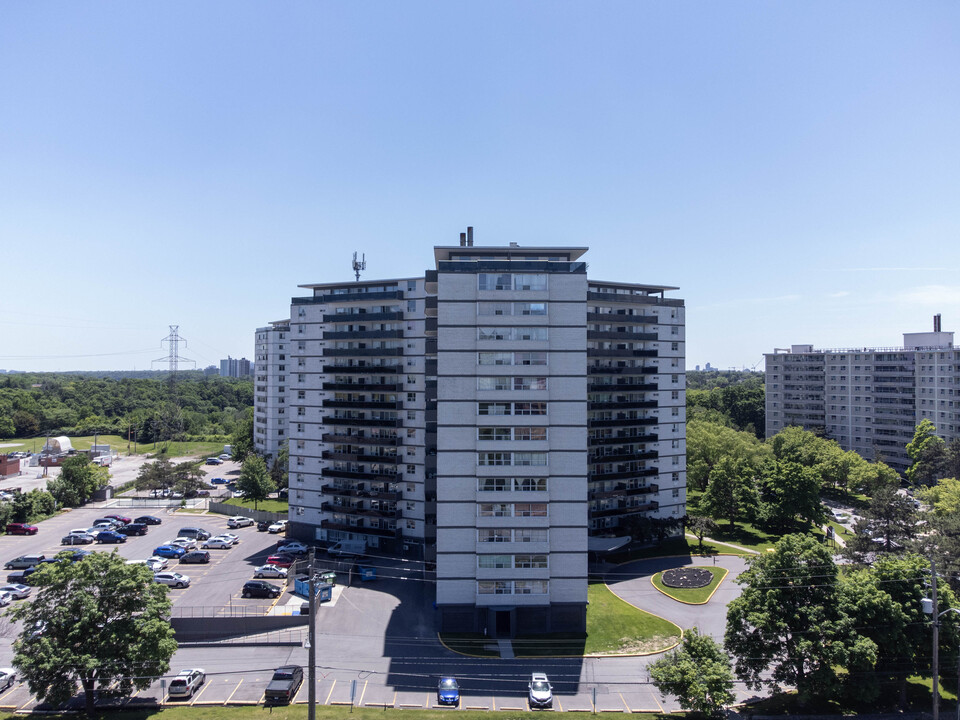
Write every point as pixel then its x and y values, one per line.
pixel 794 167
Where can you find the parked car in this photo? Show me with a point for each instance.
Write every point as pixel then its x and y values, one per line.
pixel 278 527
pixel 239 521
pixel 157 563
pixel 284 684
pixel 172 579
pixel 217 543
pixel 540 693
pixel 71 539
pixel 232 537
pixel 169 551
pixel 19 577
pixel 148 520
pixel 133 529
pixel 448 691
pixel 73 555
pixel 263 525
pixel 184 542
pixel 111 536
pixel 81 531
pixel 218 481
pixel 281 560
pixel 8 676
pixel 194 532
pixel 5 598
pixel 224 456
pixel 121 518
pixel 196 556
pixel 259 588
pixel 21 529
pixel 293 547
pixel 19 592
pixel 23 562
pixel 274 571
pixel 214 461
pixel 203 493
pixel 186 683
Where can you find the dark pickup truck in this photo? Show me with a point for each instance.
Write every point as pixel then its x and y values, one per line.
pixel 283 685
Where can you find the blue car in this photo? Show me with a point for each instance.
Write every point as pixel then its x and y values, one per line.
pixel 448 692
pixel 169 551
pixel 111 536
pixel 218 481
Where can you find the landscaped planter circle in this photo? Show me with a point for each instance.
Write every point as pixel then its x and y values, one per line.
pixel 687 578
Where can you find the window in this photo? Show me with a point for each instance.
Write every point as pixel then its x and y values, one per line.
pixel 411 285
pixel 530 484
pixel 530 358
pixel 530 433
pixel 494 587
pixel 531 587
pixel 489 408
pixel 411 469
pixel 529 458
pixel 411 397
pixel 487 459
pixel 531 535
pixel 493 535
pixel 494 281
pixel 493 308
pixel 493 433
pixel 530 408
pixel 529 383
pixel 530 333
pixel 530 510
pixel 538 308
pixel 494 561
pixel 493 484
pixel 529 561
pixel 411 305
pixel 494 509
pixel 488 358
pixel 529 282
pixel 493 333
pixel 494 383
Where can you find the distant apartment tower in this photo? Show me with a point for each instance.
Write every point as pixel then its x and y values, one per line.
pixel 868 399
pixel 490 416
pixel 271 345
pixel 235 368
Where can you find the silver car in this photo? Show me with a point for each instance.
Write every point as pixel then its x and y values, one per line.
pixel 172 579
pixel 271 571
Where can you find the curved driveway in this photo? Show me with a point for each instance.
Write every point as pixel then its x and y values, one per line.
pixel 632 583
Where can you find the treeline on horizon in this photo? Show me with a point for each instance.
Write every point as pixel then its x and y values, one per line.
pixel 734 398
pixel 111 402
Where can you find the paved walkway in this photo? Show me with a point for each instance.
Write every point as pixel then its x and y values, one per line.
pixel 725 544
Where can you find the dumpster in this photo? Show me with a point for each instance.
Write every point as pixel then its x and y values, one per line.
pixel 301 583
pixel 324 594
pixel 367 573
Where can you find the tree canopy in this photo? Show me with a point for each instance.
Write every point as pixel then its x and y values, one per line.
pixel 697 673
pixel 254 481
pixel 99 624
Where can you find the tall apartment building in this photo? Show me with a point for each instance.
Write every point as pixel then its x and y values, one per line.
pixel 868 399
pixel 271 345
pixel 490 416
pixel 235 367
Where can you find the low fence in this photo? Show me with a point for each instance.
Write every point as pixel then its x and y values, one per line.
pixel 212 628
pixel 257 515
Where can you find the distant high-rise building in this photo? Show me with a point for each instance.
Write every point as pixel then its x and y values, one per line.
pixel 868 399
pixel 236 368
pixel 211 370
pixel 270 387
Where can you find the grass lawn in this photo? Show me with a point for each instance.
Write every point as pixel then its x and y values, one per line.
pixel 270 505
pixel 190 448
pixel 119 444
pixel 299 712
pixel 614 627
pixel 696 596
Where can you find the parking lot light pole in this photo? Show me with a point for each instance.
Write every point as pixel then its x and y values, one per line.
pixel 312 638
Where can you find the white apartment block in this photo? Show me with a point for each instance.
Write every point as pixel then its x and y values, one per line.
pixel 868 399
pixel 490 416
pixel 272 345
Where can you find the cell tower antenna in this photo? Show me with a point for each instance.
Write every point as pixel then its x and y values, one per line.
pixel 173 357
pixel 359 265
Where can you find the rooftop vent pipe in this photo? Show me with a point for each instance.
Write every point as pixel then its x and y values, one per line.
pixel 470 236
pixel 463 239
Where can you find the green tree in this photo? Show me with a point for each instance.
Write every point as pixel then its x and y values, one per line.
pixel 187 477
pixel 254 481
pixel 100 624
pixel 925 450
pixel 697 673
pixel 869 477
pixel 700 526
pixel 279 471
pixel 731 492
pixel 943 498
pixel 79 480
pixel 7 428
pixel 241 442
pixel 786 623
pixel 156 475
pixel 708 443
pixel 790 491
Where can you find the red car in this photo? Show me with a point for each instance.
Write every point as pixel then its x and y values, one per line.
pixel 121 518
pixel 22 529
pixel 281 560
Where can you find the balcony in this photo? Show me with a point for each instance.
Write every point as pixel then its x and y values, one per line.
pixel 624 509
pixel 358 317
pixel 359 530
pixel 361 369
pixel 362 334
pixel 617 319
pixel 621 335
pixel 621 438
pixel 350 297
pixel 358 510
pixel 361 386
pixel 359 475
pixel 360 457
pixel 632 299
pixel 622 475
pixel 623 422
pixel 607 370
pixel 361 439
pixel 362 352
pixel 623 387
pixel 624 454
pixel 596 352
pixel 363 422
pixel 364 404
pixel 623 490
pixel 622 405
pixel 372 493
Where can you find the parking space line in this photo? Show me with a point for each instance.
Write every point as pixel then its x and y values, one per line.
pixel 362 693
pixel 325 702
pixel 196 696
pixel 234 692
pixel 559 706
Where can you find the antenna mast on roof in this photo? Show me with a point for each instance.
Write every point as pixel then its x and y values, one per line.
pixel 359 265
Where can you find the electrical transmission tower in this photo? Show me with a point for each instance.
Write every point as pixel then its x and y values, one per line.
pixel 173 357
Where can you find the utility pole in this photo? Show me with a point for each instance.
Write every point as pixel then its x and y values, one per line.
pixel 936 641
pixel 312 639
